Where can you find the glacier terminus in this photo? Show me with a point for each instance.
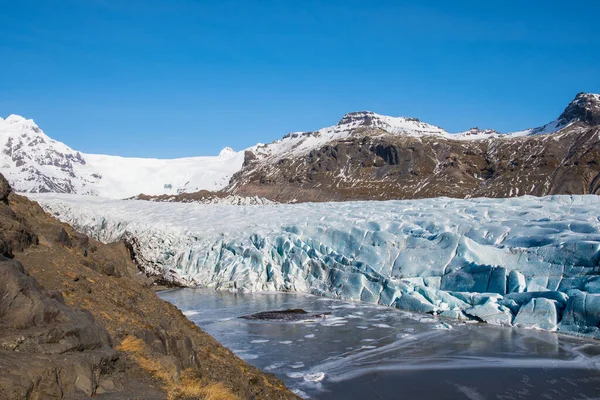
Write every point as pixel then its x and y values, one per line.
pixel 528 262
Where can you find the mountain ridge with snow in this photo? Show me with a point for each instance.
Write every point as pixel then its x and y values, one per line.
pixel 34 162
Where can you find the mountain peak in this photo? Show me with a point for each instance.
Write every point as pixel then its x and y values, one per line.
pixel 476 132
pixel 369 118
pixel 584 108
pixel 15 124
pixel 364 118
pixel 15 119
pixel 394 125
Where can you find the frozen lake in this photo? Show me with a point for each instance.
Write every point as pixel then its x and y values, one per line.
pixel 368 351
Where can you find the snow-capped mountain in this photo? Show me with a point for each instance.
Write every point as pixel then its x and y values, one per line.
pixel 370 156
pixel 33 162
pixel 361 123
pixel 364 156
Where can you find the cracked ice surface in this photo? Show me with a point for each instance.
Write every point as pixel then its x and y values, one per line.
pixel 503 261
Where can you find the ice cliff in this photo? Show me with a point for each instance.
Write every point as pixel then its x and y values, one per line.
pixel 528 262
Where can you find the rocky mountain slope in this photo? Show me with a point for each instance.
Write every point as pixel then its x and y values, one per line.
pixel 96 328
pixel 369 156
pixel 33 162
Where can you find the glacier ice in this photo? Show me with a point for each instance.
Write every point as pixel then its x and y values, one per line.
pixel 539 313
pixel 491 312
pixel 504 261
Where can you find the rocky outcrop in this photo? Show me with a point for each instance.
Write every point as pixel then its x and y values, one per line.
pixel 294 314
pixel 375 159
pixel 48 350
pixel 585 108
pixel 5 189
pixel 16 234
pixel 35 321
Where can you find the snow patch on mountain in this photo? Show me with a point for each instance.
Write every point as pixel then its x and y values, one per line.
pixel 485 259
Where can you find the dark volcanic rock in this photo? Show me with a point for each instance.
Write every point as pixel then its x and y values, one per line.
pixel 32 320
pixel 55 350
pixel 5 189
pixel 64 238
pixel 15 232
pixel 585 108
pixel 285 315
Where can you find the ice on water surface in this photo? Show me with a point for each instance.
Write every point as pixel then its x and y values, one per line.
pixel 409 344
pixel 530 262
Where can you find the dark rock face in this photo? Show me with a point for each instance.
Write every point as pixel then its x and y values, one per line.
pixel 295 314
pixel 57 351
pixel 364 118
pixel 40 321
pixel 15 233
pixel 585 108
pixel 5 189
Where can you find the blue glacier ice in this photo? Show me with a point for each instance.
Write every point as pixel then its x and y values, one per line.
pixel 527 261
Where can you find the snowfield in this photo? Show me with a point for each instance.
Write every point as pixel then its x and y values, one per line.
pixel 529 262
pixel 33 162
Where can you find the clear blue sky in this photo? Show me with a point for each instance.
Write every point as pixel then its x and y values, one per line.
pixel 169 78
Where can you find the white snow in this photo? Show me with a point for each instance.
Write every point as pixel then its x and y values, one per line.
pixel 33 162
pixel 153 176
pixel 550 127
pixel 476 258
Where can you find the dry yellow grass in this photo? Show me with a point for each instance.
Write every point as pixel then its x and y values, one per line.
pixel 217 391
pixel 193 389
pixel 188 386
pixel 132 344
pixel 140 352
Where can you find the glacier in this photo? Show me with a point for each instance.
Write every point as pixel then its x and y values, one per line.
pixel 527 262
